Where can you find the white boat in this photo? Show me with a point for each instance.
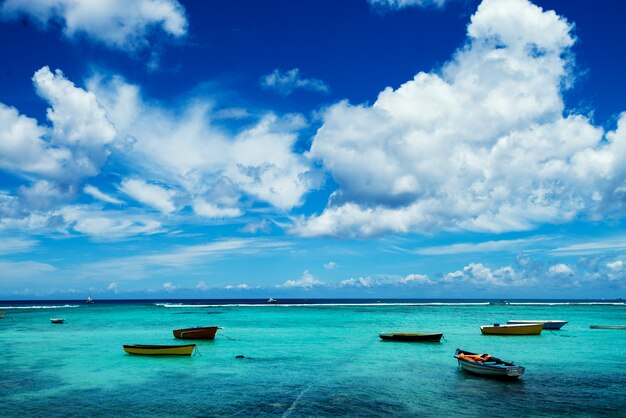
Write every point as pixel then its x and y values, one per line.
pixel 487 365
pixel 547 323
pixel 89 300
pixel 271 300
pixel 57 320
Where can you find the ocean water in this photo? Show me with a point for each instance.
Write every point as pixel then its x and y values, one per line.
pixel 313 358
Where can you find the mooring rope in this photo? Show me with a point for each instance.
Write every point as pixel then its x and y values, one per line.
pixel 293 405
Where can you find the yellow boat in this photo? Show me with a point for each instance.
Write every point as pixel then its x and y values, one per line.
pixel 512 329
pixel 160 350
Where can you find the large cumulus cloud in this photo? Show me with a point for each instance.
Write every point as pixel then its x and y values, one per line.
pixel 484 144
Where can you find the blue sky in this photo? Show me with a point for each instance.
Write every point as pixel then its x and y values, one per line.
pixel 381 148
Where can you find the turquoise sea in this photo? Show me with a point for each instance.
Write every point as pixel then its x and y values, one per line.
pixel 306 358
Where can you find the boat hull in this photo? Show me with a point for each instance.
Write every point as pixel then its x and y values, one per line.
pixel 197 333
pixel 159 350
pixel 547 324
pixel 410 337
pixel 521 329
pixel 495 369
pixel 57 320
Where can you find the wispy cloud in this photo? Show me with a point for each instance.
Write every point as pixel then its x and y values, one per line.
pixel 401 4
pixel 139 267
pixel 592 247
pixel 481 247
pixel 11 245
pixel 152 195
pixel 286 82
pixel 24 269
pixel 97 194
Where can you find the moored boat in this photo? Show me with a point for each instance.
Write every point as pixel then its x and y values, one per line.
pixel 196 333
pixel 411 336
pixel 510 329
pixel 89 300
pixel 607 326
pixel 547 323
pixel 57 320
pixel 272 300
pixel 487 365
pixel 159 350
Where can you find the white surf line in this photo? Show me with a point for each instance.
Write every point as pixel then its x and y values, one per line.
pixel 294 404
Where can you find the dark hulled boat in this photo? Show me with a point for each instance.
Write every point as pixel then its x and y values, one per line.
pixel 411 336
pixel 196 333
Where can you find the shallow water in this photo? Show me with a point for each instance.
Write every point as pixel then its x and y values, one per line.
pixel 306 359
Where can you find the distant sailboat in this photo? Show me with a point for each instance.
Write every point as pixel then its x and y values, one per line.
pixel 89 300
pixel 272 300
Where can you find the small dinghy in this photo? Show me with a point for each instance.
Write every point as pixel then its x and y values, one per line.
pixel 160 350
pixel 411 336
pixel 57 320
pixel 487 365
pixel 196 333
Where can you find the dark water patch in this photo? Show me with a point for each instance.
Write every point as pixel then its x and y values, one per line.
pixel 543 395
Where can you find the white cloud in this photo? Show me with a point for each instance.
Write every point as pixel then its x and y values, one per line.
pixel 201 285
pixel 560 269
pixel 116 23
pixel 209 210
pixel 106 225
pixel 482 276
pixel 481 145
pixel 416 278
pixel 240 286
pixel 112 287
pixel 401 4
pixel 307 281
pixel 169 286
pixel 615 265
pixel 23 149
pixel 186 151
pixel 76 116
pixel 286 82
pixel 331 265
pixel 152 195
pixel 75 146
pixel 44 194
pixel 94 192
pixel 370 282
pixel 360 282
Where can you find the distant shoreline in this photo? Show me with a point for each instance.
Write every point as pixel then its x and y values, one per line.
pixel 189 303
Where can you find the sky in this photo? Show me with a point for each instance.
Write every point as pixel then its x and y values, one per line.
pixel 312 149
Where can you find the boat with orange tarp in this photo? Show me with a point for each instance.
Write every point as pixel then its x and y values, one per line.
pixel 487 365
